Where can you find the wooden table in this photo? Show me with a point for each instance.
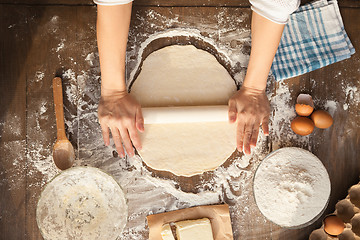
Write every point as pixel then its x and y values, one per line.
pixel 41 39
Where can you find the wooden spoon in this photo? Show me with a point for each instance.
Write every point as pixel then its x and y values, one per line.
pixel 63 151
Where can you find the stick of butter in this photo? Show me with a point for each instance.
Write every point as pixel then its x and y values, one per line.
pixel 166 232
pixel 199 229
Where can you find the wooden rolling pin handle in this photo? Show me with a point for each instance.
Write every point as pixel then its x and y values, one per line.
pixel 59 108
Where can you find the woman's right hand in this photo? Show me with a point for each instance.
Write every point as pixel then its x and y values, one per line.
pixel 121 113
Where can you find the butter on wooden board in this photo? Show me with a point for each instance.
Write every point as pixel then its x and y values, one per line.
pixel 199 229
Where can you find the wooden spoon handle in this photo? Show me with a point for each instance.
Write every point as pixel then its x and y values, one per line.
pixel 59 108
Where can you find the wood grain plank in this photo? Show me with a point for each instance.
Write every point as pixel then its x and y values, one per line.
pixel 52 52
pixel 13 48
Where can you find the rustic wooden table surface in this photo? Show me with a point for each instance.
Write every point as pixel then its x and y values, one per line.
pixel 41 39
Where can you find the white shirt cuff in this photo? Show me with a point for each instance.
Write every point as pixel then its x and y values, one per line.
pixel 277 11
pixel 112 2
pixel 279 20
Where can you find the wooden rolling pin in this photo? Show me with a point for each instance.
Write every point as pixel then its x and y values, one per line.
pixel 187 114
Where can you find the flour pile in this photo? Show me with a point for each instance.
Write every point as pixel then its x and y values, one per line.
pixel 291 187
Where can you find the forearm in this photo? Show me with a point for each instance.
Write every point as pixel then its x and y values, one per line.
pixel 112 33
pixel 265 38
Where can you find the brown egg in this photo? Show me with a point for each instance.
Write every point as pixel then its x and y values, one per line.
pixel 333 225
pixel 354 194
pixel 322 119
pixel 355 224
pixel 318 234
pixel 347 235
pixel 304 105
pixel 303 110
pixel 302 126
pixel 345 210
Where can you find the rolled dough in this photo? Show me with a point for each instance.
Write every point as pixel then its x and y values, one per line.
pixel 184 76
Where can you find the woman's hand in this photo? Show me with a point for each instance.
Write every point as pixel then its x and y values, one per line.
pixel 121 113
pixel 249 108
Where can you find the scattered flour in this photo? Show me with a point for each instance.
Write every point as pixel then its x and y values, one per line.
pixel 61 45
pixel 352 93
pixel 352 96
pixel 39 76
pixel 43 108
pixel 40 159
pixel 282 103
pixel 90 58
pixel 331 106
pixel 69 74
pixel 12 127
pixel 54 19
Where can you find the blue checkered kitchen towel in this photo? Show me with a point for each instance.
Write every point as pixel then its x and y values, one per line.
pixel 313 38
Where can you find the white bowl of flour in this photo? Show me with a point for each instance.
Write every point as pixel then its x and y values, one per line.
pixel 291 187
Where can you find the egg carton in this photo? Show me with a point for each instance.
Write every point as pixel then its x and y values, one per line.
pixel 348 210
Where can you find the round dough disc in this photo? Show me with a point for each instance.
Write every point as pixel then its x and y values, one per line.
pixel 82 203
pixel 185 76
pixel 291 187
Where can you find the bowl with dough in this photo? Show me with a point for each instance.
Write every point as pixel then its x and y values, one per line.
pixel 291 187
pixel 82 203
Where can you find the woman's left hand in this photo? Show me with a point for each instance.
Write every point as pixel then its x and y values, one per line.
pixel 249 108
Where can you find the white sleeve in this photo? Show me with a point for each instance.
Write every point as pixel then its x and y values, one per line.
pixel 112 2
pixel 277 11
